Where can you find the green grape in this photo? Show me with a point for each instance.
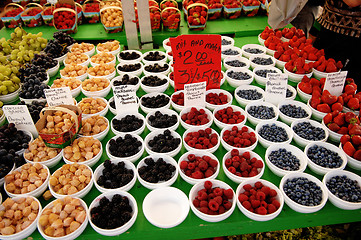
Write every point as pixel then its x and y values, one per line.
pixel 5 44
pixel 2 68
pixel 2 58
pixel 15 69
pixel 31 41
pixel 43 45
pixel 11 89
pixel 4 92
pixel 1 77
pixel 12 35
pixel 7 83
pixel 27 58
pixel 15 63
pixel 15 80
pixel 1 104
pixel 13 57
pixel 7 72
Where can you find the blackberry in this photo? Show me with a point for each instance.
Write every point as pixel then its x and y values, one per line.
pixel 153 81
pixel 160 120
pixel 307 131
pixel 157 101
pixel 126 80
pixel 129 55
pixel 303 191
pixel 128 123
pixel 284 160
pixel 250 94
pixel 345 188
pixel 158 171
pixel 164 142
pixel 124 146
pixel 324 157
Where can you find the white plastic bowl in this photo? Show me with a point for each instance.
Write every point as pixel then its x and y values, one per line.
pixel 229 147
pixel 100 136
pixel 295 77
pixel 61 59
pixel 79 194
pixel 121 229
pixel 236 178
pixel 53 71
pixel 162 184
pixel 175 106
pixel 352 162
pixel 265 143
pixel 257 46
pixel 323 170
pixel 160 74
pixel 219 91
pixel 298 207
pixel 254 65
pixel 124 114
pixel 261 80
pixel 11 97
pixel 333 136
pixel 189 148
pixel 101 93
pixel 302 141
pixel 165 46
pixel 304 96
pixel 197 153
pixel 109 76
pixel 147 109
pixel 253 120
pixel 93 64
pixel 206 217
pixel 260 40
pixel 132 158
pixel 188 109
pixel 157 89
pixel 242 101
pixel 91 162
pixel 294 92
pixel 114 52
pixel 223 56
pixel 163 111
pixel 72 235
pixel 101 113
pixel 318 75
pixel 270 51
pixel 151 135
pixel 37 192
pixel 27 231
pixel 235 82
pixel 290 148
pixel 86 63
pixel 119 78
pixel 239 58
pixel 280 64
pixel 49 163
pixel 130 61
pixel 136 72
pixel 99 172
pixel 255 216
pixel 229 39
pixel 315 113
pixel 222 125
pixel 289 120
pixel 152 62
pixel 338 202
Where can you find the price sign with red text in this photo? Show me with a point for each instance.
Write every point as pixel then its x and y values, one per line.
pixel 197 58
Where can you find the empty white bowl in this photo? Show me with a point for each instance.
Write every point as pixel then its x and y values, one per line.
pixel 296 206
pixel 153 134
pixel 237 58
pixel 254 120
pixel 315 113
pixel 218 92
pixel 99 172
pixel 238 179
pixel 235 82
pixel 221 124
pixel 132 158
pixel 176 106
pixel 229 147
pixel 188 109
pixel 236 50
pixel 206 217
pixel 101 93
pixel 121 229
pixel 137 72
pixel 119 78
pixel 290 148
pixel 156 89
pixel 295 77
pixel 153 94
pixel 130 61
pixel 164 59
pixel 318 168
pixel 255 216
pixel 261 80
pixel 242 101
pixel 289 120
pixel 302 141
pixel 189 148
pixel 124 114
pixel 256 46
pixel 161 184
pixel 266 143
pixel 168 112
pixel 338 202
pixel 254 65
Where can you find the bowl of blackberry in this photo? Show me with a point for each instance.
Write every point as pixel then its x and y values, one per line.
pixel 162 119
pixel 167 142
pixel 130 68
pixel 125 147
pixel 129 56
pixel 126 79
pixel 154 83
pixel 154 57
pixel 131 123
pixel 154 101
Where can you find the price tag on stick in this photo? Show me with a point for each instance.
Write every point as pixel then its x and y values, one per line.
pixel 195 94
pixel 20 116
pixel 334 82
pixel 125 99
pixel 58 96
pixel 276 88
pixel 197 58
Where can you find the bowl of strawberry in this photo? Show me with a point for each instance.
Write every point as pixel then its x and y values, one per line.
pixel 232 9
pixel 197 16
pixel 259 200
pixel 266 33
pixel 250 7
pixel 350 144
pixel 212 200
pixel 239 137
pixel 32 15
pixel 91 11
pixel 242 165
pixel 197 166
pixel 322 67
pixel 324 103
pixel 229 116
pixel 218 97
pixel 339 123
pixel 307 86
pixel 11 18
pixel 202 139
pixel 196 117
pixel 297 69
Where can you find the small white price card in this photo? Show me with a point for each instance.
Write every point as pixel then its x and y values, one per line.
pixel 195 94
pixel 276 88
pixel 125 99
pixel 58 96
pixel 334 82
pixel 20 116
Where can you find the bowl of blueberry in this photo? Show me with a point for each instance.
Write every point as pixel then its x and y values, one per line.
pixel 201 139
pixel 343 189
pixel 236 62
pixel 157 171
pixel 227 41
pixel 260 73
pixel 195 117
pixel 159 69
pixel 246 94
pixel 239 76
pixel 291 110
pixel 250 50
pixel 283 159
pixel 162 119
pixel 130 68
pixel 291 93
pixel 129 56
pixel 152 57
pixel 272 131
pixel 261 111
pixel 229 51
pixel 231 115
pixel 154 101
pixel 126 79
pixel 262 61
pixel 306 131
pixel 167 142
pixel 323 157
pixel 115 175
pixel 128 147
pixel 154 83
pixel 303 192
pixel 128 122
pixel 218 97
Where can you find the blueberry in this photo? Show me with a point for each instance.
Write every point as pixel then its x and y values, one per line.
pixel 238 75
pixel 254 50
pixel 303 191
pixel 273 133
pixel 307 131
pixel 262 112
pixel 293 111
pixel 236 63
pixel 262 60
pixel 230 52
pixel 263 72
pixel 324 157
pixel 250 94
pixel 226 42
pixel 284 159
pixel 345 188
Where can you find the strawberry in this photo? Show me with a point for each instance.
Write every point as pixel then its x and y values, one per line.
pixel 353 103
pixel 315 101
pixel 350 89
pixel 355 130
pixel 345 138
pixel 305 87
pixel 343 131
pixel 350 117
pixel 321 67
pixel 337 106
pixel 327 118
pixel 356 140
pixel 325 108
pixel 328 98
pixel 339 65
pixel 357 155
pixel 340 119
pixel 331 67
pixel 349 149
pixel 333 127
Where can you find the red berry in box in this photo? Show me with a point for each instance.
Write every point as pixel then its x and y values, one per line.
pixel 198 166
pixel 32 12
pixel 229 115
pixel 196 117
pixel 239 137
pixel 242 164
pixel 91 7
pixel 202 139
pixel 48 11
pixel 13 12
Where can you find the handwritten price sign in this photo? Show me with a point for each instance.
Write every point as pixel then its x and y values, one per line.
pixel 197 58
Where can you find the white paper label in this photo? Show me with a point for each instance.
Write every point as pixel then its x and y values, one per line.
pixel 195 94
pixel 276 88
pixel 52 1
pixel 20 116
pixel 125 99
pixel 58 96
pixel 334 82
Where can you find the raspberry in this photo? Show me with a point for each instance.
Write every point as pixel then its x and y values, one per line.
pixel 202 195
pixel 276 203
pixel 271 208
pixel 204 210
pixel 191 166
pixel 197 175
pixel 227 204
pixel 228 193
pixel 247 187
pixel 261 211
pixel 246 205
pixel 272 193
pixel 258 164
pixel 191 157
pixel 218 199
pixel 207 185
pixel 213 163
pixel 203 204
pixel 258 185
pixel 184 165
pixel 221 209
pixel 208 131
pixel 213 205
pixel 266 190
pixel 255 203
pixel 261 195
pixel 203 165
pixel 242 197
pixel 228 162
pixel 196 203
pixel 264 204
pixel 218 191
pixel 208 173
pixel 246 155
pixel 232 170
pixel 234 152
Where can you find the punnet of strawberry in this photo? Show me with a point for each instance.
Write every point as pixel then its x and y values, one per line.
pixel 32 15
pixel 351 142
pixel 197 16
pixel 152 3
pixel 214 9
pixel 340 122
pixel 250 7
pixel 11 18
pixel 78 9
pixel 170 18
pixel 232 9
pixel 47 15
pixel 155 20
pixel 186 3
pixel 91 11
pixel 263 8
pixel 168 3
